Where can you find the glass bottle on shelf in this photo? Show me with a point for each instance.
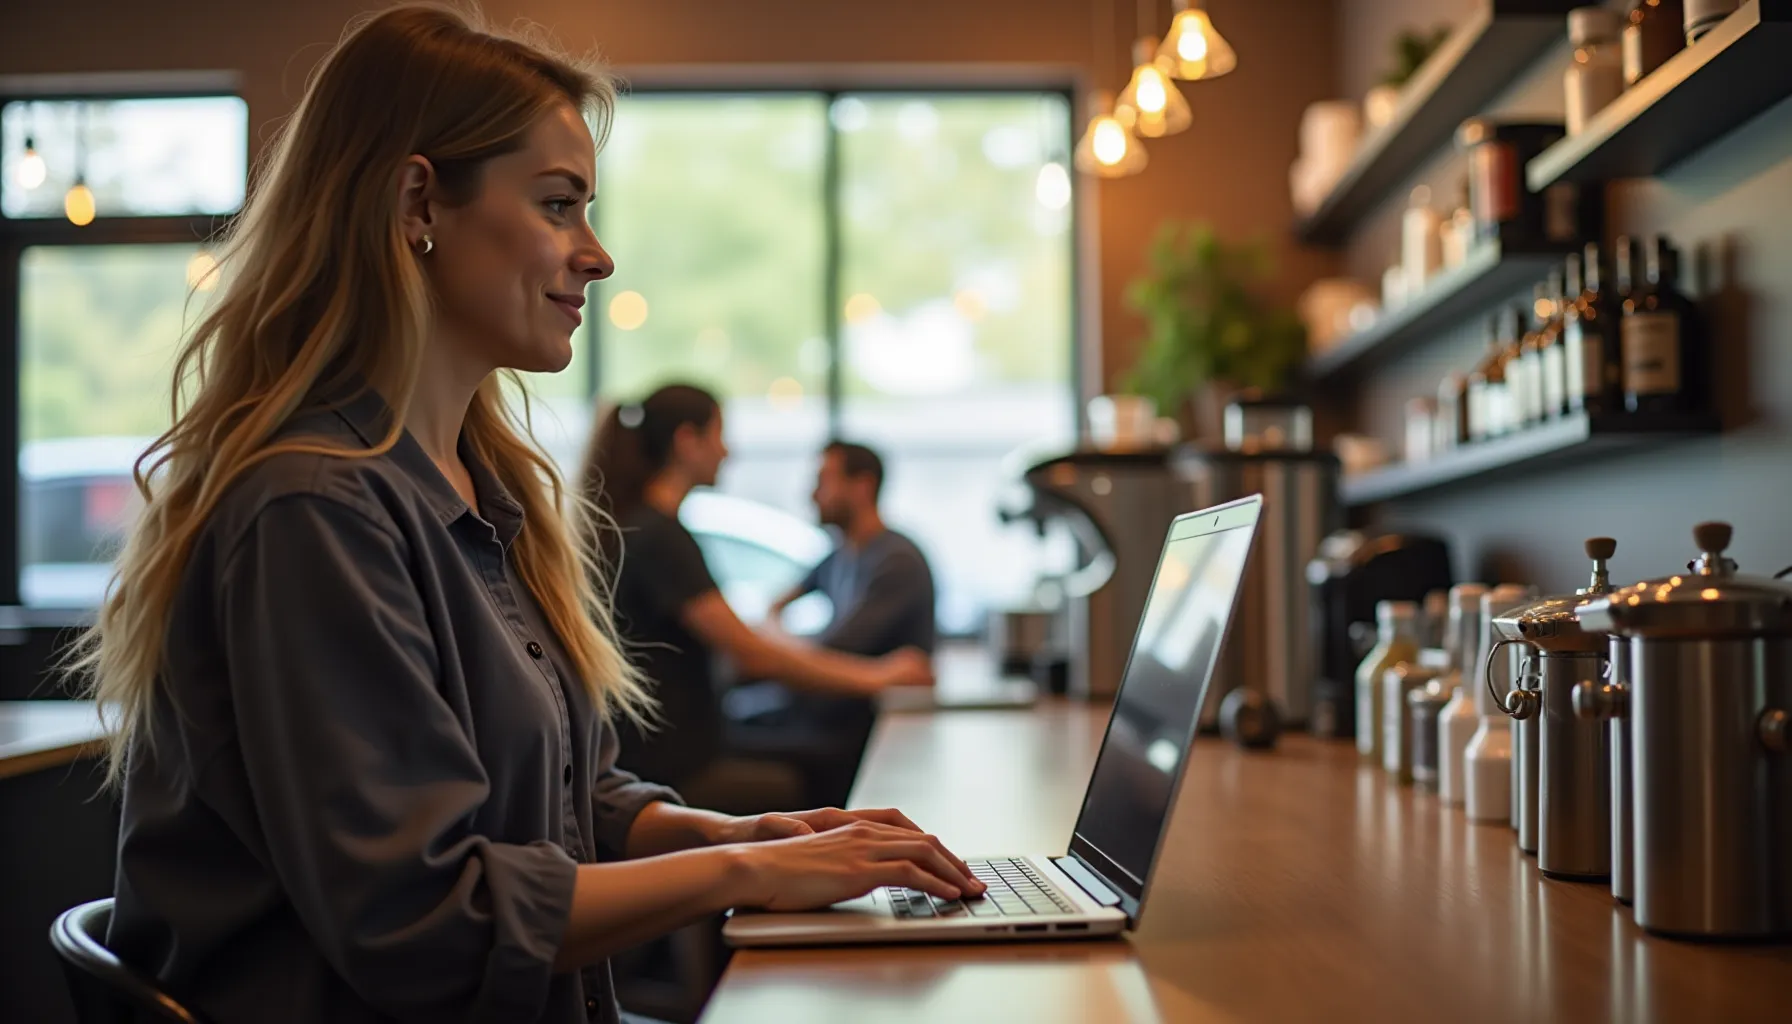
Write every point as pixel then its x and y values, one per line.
pixel 1452 413
pixel 1397 641
pixel 1595 75
pixel 1555 381
pixel 1656 30
pixel 1663 343
pixel 1590 337
pixel 1487 386
pixel 1526 377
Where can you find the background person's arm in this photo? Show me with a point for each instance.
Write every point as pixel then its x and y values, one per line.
pixel 764 655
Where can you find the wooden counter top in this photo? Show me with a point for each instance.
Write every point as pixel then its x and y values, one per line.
pixel 38 734
pixel 1294 886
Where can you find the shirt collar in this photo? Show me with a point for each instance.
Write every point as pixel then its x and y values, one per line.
pixel 367 414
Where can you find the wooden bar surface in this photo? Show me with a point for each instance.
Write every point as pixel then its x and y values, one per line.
pixel 1295 885
pixel 39 734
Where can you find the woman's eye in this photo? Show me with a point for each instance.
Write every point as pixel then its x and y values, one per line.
pixel 559 204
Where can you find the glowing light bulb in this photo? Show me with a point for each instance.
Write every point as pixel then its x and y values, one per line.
pixel 31 170
pixel 78 205
pixel 1151 105
pixel 1108 148
pixel 1193 49
pixel 1110 141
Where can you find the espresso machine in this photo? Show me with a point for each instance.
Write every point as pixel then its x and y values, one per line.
pixel 1268 450
pixel 1117 507
pixel 1353 572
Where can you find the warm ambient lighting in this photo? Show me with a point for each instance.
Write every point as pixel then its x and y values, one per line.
pixel 31 170
pixel 628 310
pixel 202 272
pixel 1151 105
pixel 78 204
pixel 785 394
pixel 969 305
pixel 1052 188
pixel 1108 148
pixel 861 307
pixel 1193 49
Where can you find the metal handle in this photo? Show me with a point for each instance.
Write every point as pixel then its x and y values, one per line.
pixel 1593 701
pixel 1521 703
pixel 1775 727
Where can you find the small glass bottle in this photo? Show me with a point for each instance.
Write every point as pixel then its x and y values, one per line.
pixel 1664 346
pixel 1704 15
pixel 1655 32
pixel 1527 382
pixel 1595 76
pixel 1396 641
pixel 1555 378
pixel 1420 245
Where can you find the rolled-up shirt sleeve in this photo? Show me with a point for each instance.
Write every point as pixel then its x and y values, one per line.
pixel 616 801
pixel 365 780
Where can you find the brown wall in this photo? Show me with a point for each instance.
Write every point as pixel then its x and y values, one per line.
pixel 1231 168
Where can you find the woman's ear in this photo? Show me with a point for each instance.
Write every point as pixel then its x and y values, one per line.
pixel 416 190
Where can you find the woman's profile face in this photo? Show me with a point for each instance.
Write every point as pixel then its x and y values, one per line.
pixel 510 267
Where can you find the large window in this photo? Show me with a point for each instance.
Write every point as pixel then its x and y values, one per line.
pixel 888 267
pixel 894 268
pixel 107 289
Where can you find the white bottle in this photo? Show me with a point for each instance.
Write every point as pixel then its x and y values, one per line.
pixel 1487 761
pixel 1457 722
pixel 1421 249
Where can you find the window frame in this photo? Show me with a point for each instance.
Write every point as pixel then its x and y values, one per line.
pixel 19 234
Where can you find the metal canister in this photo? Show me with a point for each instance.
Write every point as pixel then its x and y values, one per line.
pixel 1611 702
pixel 1573 758
pixel 1710 702
pixel 1424 705
pixel 1397 738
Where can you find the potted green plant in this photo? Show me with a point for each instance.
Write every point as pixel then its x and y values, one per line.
pixel 1209 328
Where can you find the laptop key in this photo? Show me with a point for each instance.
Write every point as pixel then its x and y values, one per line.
pixel 983 908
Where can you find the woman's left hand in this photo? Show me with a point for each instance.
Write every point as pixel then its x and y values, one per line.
pixel 761 828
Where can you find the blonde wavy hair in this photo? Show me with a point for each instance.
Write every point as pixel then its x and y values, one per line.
pixel 320 290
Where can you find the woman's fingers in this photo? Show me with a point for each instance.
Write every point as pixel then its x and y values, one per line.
pixel 888 816
pixel 928 857
pixel 909 875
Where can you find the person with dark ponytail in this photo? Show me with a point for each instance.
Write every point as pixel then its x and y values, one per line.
pixel 644 459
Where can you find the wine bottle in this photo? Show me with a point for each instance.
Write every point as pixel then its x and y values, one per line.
pixel 1663 341
pixel 1554 385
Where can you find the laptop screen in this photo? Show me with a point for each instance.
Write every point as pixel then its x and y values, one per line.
pixel 1156 711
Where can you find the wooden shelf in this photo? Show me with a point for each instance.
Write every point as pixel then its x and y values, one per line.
pixel 1735 72
pixel 1489 274
pixel 1572 438
pixel 1480 58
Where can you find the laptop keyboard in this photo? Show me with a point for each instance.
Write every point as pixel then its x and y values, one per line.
pixel 1015 890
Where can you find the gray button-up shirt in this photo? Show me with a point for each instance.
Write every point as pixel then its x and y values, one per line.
pixel 370 770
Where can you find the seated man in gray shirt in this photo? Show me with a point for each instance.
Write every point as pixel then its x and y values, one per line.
pixel 883 597
pixel 877 579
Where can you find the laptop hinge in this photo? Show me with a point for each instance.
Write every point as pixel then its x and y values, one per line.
pixel 1086 880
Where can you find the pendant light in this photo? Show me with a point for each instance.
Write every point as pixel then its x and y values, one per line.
pixel 1151 104
pixel 78 204
pixel 1108 148
pixel 1193 49
pixel 30 171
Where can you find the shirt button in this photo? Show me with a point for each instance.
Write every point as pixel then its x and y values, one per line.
pixel 566 775
pixel 591 1005
pixel 534 650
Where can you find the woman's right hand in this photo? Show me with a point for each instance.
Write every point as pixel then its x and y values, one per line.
pixel 814 871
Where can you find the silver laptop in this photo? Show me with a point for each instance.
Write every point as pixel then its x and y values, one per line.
pixel 1099 886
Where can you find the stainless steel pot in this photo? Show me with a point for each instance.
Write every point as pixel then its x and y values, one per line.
pixel 1710 700
pixel 1610 701
pixel 1573 757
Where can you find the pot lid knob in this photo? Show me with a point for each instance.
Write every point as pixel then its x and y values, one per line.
pixel 1601 549
pixel 1712 539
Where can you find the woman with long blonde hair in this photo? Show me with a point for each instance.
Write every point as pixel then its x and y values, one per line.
pixel 362 689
